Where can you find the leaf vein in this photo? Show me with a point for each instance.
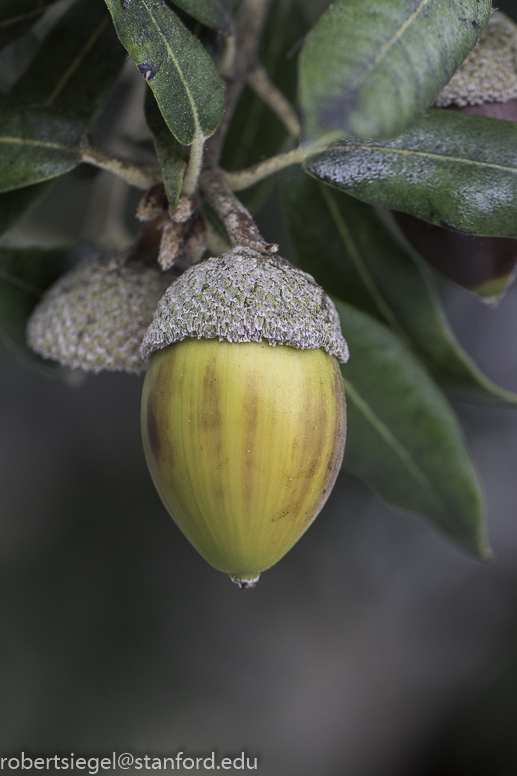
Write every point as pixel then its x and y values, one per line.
pixel 390 43
pixel 400 451
pixel 381 304
pixel 427 154
pixel 21 284
pixel 90 43
pixel 20 18
pixel 190 98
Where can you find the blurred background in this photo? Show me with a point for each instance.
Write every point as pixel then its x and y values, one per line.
pixel 374 648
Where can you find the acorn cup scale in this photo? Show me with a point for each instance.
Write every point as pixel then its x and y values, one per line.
pixel 243 418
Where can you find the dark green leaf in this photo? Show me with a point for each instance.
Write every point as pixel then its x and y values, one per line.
pixel 25 273
pixel 180 72
pixel 171 154
pixel 35 145
pixel 18 16
pixel 451 169
pixel 370 69
pixel 346 247
pixel 77 64
pixel 212 13
pixel 403 437
pixel 15 204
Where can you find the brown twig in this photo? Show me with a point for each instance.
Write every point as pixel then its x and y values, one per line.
pixel 250 21
pixel 239 224
pixel 264 87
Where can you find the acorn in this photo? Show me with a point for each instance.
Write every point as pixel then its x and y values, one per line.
pixel 243 407
pixel 95 316
pixel 484 85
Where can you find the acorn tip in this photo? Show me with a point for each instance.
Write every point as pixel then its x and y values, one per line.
pixel 245 584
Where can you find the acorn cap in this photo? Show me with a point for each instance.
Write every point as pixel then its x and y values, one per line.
pixel 96 315
pixel 245 296
pixel 489 73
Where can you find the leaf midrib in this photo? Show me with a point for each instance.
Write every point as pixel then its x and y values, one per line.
pixel 75 64
pixel 197 124
pixel 400 451
pixel 425 155
pixel 21 284
pixel 386 311
pixel 21 18
pixel 38 143
pixel 389 45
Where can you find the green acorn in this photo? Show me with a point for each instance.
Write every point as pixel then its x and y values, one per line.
pixel 95 316
pixel 243 407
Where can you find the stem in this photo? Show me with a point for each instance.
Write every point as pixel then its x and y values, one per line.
pixel 250 20
pixel 239 224
pixel 143 176
pixel 243 179
pixel 195 163
pixel 226 65
pixel 264 87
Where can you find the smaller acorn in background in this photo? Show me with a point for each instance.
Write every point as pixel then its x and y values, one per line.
pixel 484 85
pixel 95 316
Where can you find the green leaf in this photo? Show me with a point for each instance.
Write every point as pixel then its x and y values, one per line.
pixel 450 169
pixel 403 437
pixel 171 154
pixel 35 145
pixel 15 204
pixel 18 16
pixel 77 64
pixel 25 274
pixel 350 252
pixel 180 72
pixel 211 13
pixel 370 69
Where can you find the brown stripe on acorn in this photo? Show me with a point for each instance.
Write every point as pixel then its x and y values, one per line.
pixel 243 407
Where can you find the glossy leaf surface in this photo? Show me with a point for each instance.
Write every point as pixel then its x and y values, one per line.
pixel 449 169
pixel 403 437
pixel 25 273
pixel 35 145
pixel 347 248
pixel 369 70
pixel 77 64
pixel 180 72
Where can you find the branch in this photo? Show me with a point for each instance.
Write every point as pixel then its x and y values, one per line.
pixel 241 59
pixel 239 224
pixel 243 179
pixel 143 176
pixel 264 87
pixel 195 162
